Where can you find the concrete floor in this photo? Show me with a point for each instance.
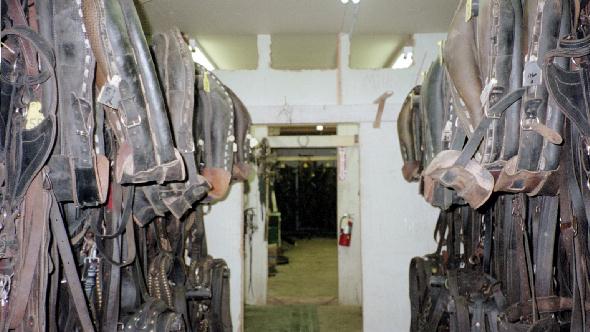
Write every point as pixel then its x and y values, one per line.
pixel 303 296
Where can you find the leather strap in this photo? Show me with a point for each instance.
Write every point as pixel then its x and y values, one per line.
pixel 545 246
pixel 53 288
pixel 67 258
pixel 461 307
pixel 495 111
pixel 111 316
pixel 123 224
pixel 36 205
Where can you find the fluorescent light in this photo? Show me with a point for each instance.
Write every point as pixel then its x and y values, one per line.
pixel 319 128
pixel 344 1
pixel 405 60
pixel 356 1
pixel 199 56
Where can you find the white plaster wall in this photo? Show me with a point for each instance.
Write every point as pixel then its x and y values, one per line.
pixel 364 86
pixel 397 225
pixel 350 290
pixel 266 86
pixel 396 222
pixel 224 229
pixel 255 267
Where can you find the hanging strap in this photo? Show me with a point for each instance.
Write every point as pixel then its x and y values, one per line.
pixel 121 224
pixel 37 202
pixel 494 112
pixel 67 258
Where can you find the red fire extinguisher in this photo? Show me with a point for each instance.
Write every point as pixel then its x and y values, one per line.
pixel 345 231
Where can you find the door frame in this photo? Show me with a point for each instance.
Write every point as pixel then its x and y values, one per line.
pixel 348 192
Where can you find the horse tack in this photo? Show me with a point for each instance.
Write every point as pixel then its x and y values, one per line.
pixel 241 170
pixel 525 230
pixel 500 67
pixel 484 112
pixel 67 66
pixel 214 128
pixel 409 130
pixel 176 73
pixel 533 168
pixel 132 88
pixel 83 172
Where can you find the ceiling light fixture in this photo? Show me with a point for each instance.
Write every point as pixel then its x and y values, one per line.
pixel 356 2
pixel 319 128
pixel 199 56
pixel 405 59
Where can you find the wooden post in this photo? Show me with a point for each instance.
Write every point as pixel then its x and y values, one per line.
pixel 381 102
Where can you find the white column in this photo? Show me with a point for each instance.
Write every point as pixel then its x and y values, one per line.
pixel 349 200
pixel 263 42
pixel 224 228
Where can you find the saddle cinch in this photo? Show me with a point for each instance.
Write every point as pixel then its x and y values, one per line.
pixel 520 126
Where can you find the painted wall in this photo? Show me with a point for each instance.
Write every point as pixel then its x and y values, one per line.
pixel 255 249
pixel 350 286
pixel 396 223
pixel 224 229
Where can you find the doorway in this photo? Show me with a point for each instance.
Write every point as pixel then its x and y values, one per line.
pixel 303 257
pixel 317 285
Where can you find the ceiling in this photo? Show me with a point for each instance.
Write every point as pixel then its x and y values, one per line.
pixel 303 31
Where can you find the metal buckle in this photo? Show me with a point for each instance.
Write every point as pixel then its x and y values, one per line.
pixel 494 96
pixel 133 123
